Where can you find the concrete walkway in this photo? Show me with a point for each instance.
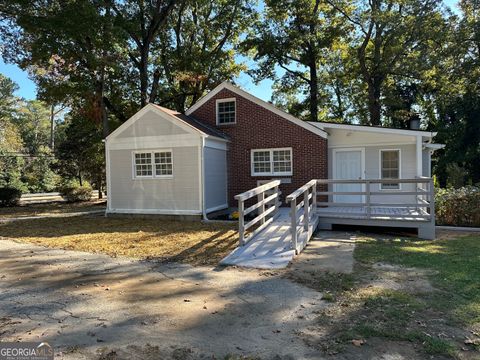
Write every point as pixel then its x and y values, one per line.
pixel 330 251
pixel 91 306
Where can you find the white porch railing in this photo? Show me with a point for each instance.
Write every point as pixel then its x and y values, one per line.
pixel 423 194
pixel 264 216
pixel 302 213
pixel 316 200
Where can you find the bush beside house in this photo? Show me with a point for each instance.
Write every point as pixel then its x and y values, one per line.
pixel 458 207
pixel 74 192
pixel 9 196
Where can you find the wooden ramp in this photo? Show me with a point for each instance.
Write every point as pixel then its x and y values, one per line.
pixel 272 248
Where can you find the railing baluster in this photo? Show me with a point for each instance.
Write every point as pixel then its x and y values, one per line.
pixel 368 208
pixel 306 204
pixel 293 225
pixel 431 195
pixel 261 209
pixel 241 223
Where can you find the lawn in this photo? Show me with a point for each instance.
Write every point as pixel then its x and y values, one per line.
pixel 454 266
pixel 51 208
pixel 422 293
pixel 189 242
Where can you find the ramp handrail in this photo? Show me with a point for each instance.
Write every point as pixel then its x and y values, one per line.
pixel 309 204
pixel 263 199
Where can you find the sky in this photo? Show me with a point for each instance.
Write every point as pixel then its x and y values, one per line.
pixel 263 90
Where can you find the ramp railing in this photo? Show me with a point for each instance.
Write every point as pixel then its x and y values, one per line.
pixel 264 213
pixel 302 212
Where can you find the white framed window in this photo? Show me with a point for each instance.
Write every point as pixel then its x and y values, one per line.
pixel 268 162
pixel 153 164
pixel 226 111
pixel 390 161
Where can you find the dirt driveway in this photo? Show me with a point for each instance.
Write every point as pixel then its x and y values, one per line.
pixel 92 306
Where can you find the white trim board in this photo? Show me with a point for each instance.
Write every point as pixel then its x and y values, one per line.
pixel 372 144
pixel 146 142
pixel 375 129
pixel 154 211
pixel 226 85
pixel 217 208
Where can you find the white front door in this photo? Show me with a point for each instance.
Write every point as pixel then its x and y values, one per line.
pixel 348 165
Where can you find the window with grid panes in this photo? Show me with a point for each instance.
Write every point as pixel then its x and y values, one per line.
pixel 271 162
pixel 390 168
pixel 226 112
pixel 163 163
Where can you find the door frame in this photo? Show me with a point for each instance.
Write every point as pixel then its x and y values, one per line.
pixel 362 168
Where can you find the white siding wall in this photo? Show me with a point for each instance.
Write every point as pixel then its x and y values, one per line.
pixel 215 178
pixel 180 194
pixel 151 124
pixel 373 143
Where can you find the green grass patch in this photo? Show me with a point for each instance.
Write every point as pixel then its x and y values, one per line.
pixel 455 264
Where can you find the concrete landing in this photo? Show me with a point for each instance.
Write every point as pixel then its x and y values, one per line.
pixel 330 251
pixel 271 248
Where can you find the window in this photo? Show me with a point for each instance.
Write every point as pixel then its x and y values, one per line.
pixel 143 164
pixel 163 163
pixel 226 111
pixel 390 168
pixel 267 162
pixel 153 164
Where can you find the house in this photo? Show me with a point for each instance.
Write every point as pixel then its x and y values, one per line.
pixel 193 164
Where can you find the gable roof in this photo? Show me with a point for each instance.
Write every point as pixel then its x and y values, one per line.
pixel 190 120
pixel 187 122
pixel 227 85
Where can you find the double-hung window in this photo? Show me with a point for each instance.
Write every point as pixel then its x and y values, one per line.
pixel 226 111
pixel 390 168
pixel 153 164
pixel 271 162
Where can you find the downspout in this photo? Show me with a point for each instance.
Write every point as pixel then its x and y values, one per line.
pixel 202 164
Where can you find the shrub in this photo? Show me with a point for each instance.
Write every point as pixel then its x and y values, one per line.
pixel 458 207
pixel 74 192
pixel 9 196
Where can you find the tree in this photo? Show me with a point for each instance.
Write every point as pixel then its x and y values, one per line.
pixel 80 151
pixel 394 39
pixel 198 51
pixel 295 36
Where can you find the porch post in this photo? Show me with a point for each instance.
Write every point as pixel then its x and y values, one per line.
pixel 419 155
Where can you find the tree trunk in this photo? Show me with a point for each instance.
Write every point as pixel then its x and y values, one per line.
pixel 313 91
pixel 143 69
pixel 374 103
pixel 99 185
pixel 52 127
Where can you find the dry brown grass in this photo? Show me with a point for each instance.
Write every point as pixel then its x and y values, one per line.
pixel 50 208
pixel 183 241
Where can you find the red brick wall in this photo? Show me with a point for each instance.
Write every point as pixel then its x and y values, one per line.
pixel 259 128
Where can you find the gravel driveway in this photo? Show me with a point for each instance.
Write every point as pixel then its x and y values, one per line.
pixel 92 306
